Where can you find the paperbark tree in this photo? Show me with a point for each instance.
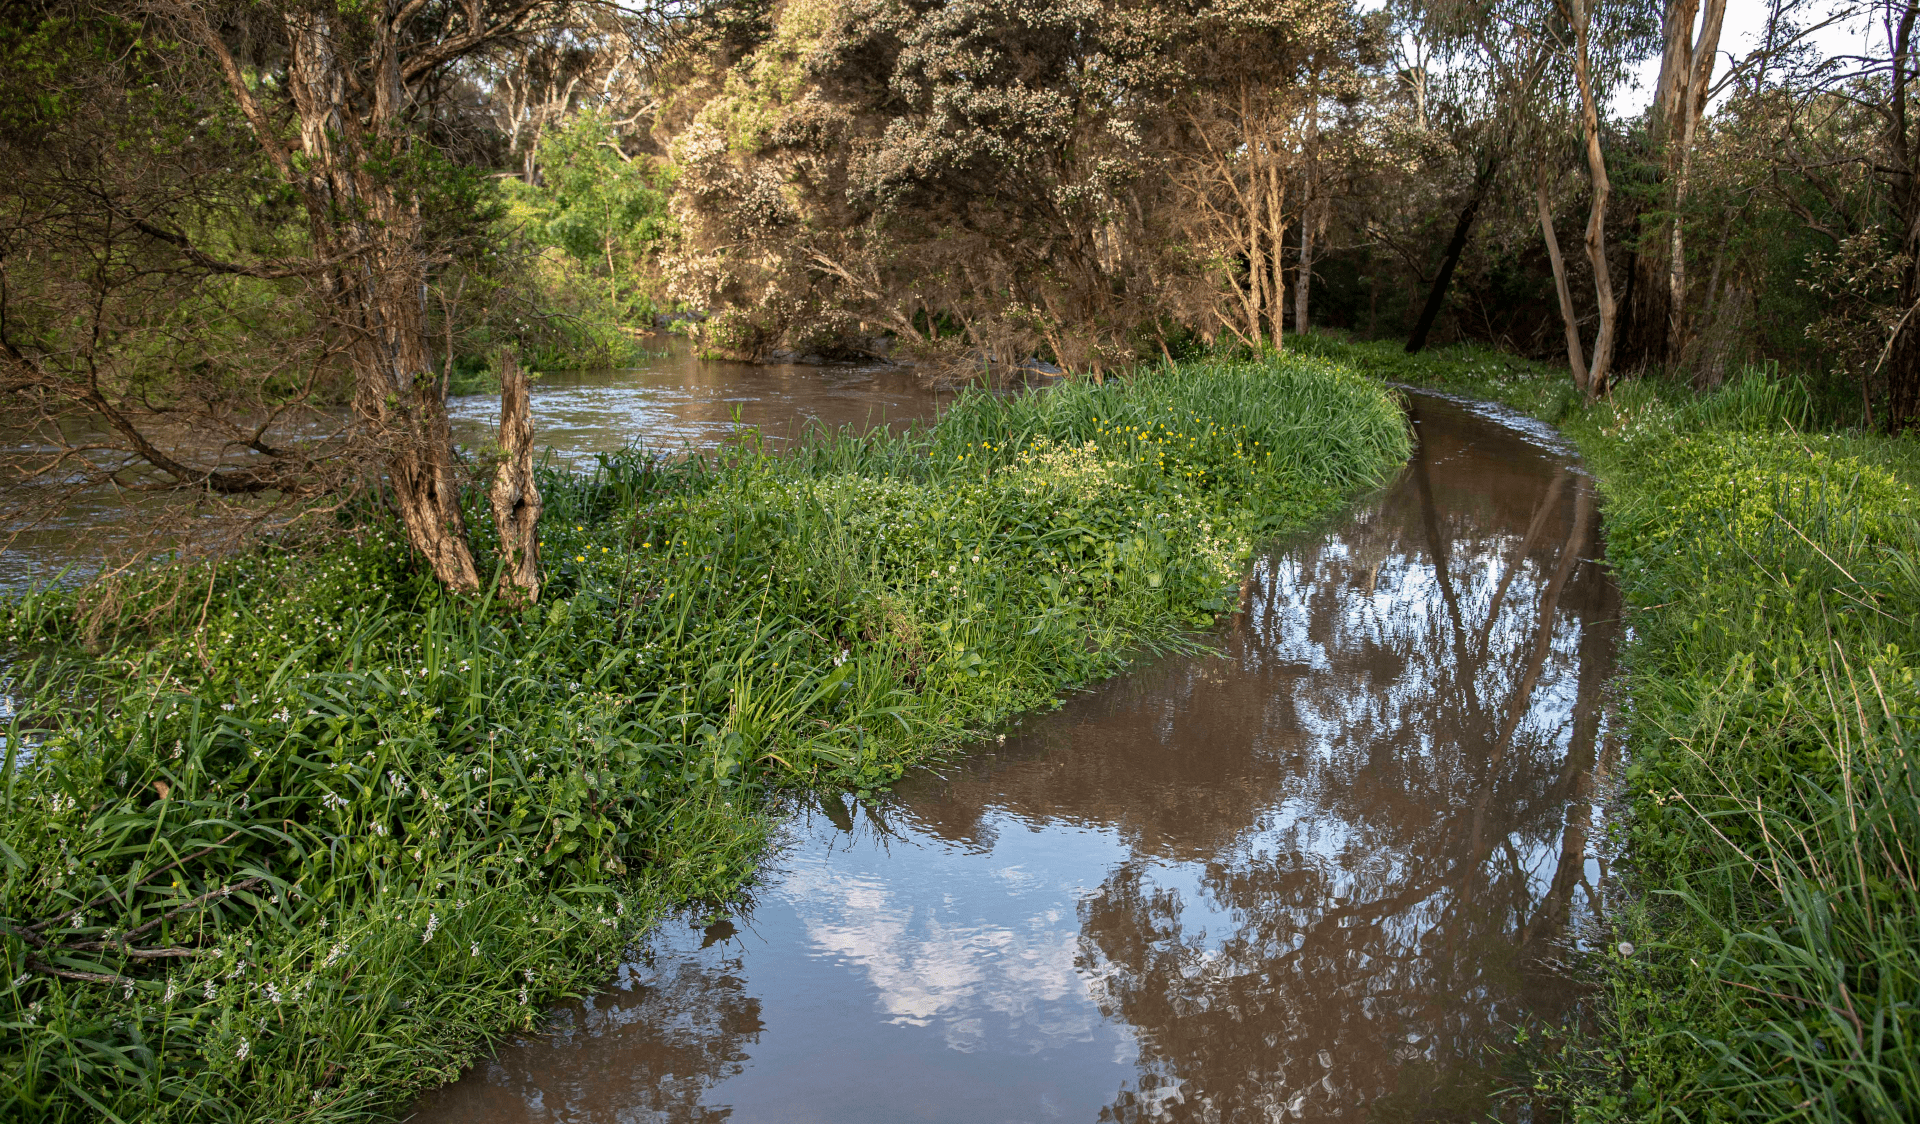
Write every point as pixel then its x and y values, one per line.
pixel 338 104
pixel 337 115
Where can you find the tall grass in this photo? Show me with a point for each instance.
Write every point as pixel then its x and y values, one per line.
pixel 1766 959
pixel 1773 796
pixel 294 836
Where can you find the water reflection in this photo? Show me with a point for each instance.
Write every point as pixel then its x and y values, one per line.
pixel 670 403
pixel 1313 879
pixel 675 401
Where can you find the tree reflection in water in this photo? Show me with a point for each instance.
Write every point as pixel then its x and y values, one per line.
pixel 1420 842
pixel 1312 879
pixel 646 1049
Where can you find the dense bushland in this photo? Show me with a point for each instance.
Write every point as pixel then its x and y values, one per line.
pixel 296 835
pixel 1765 958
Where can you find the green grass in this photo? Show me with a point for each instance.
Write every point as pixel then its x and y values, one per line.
pixel 368 828
pixel 1770 816
pixel 1543 390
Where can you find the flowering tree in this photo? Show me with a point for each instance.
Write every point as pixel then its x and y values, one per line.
pixel 998 178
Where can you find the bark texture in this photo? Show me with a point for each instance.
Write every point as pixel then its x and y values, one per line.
pixel 515 496
pixel 351 83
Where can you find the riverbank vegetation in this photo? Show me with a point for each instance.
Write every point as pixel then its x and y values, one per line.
pixel 216 292
pixel 1762 960
pixel 290 836
pixel 248 250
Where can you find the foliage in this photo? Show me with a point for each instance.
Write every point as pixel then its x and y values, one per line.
pixel 1004 180
pixel 596 219
pixel 362 825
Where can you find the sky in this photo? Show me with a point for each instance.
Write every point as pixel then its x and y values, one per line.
pixel 1742 31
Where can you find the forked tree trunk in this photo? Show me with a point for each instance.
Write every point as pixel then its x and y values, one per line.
pixel 515 496
pixel 1576 359
pixel 1655 326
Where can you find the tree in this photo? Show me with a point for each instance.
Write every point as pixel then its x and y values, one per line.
pixel 1654 329
pixel 340 125
pixel 313 161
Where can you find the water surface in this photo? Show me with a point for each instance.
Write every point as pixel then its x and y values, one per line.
pixel 673 403
pixel 1312 877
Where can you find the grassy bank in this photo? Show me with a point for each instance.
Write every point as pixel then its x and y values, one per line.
pixel 1764 963
pixel 294 837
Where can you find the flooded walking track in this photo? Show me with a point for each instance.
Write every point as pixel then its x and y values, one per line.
pixel 1314 876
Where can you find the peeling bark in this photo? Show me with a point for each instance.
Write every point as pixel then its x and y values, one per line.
pixel 515 496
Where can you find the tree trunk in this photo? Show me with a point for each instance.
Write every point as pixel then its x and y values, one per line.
pixel 1597 216
pixel 372 231
pixel 1303 277
pixel 1576 360
pixel 1457 245
pixel 1256 275
pixel 1653 331
pixel 1903 359
pixel 1903 350
pixel 1309 207
pixel 1694 104
pixel 1277 238
pixel 515 496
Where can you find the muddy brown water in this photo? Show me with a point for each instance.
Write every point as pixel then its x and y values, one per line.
pixel 672 403
pixel 1319 875
pixel 676 402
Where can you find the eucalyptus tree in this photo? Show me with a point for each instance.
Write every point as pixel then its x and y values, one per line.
pixel 1655 325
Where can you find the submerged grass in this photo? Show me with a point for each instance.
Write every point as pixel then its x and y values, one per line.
pixel 294 837
pixel 1765 965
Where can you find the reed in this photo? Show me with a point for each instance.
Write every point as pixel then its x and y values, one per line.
pixel 293 837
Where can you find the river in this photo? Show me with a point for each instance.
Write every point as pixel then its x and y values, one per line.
pixel 674 404
pixel 1318 875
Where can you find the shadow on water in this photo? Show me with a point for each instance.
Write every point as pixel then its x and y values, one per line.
pixel 1313 877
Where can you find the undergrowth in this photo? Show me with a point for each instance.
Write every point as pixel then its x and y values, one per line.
pixel 1763 962
pixel 294 836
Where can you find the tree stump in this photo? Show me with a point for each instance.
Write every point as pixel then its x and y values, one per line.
pixel 516 499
